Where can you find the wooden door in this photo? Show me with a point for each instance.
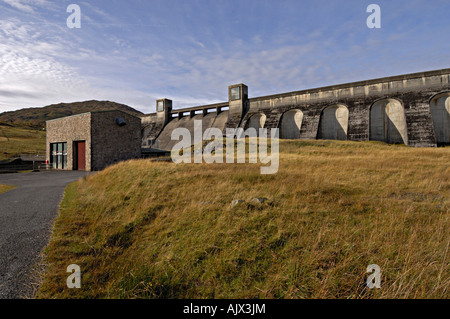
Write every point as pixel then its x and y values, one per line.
pixel 81 156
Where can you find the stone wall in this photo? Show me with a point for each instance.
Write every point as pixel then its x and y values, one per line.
pixel 112 143
pixel 414 91
pixel 69 130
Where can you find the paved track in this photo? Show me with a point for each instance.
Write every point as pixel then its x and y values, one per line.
pixel 26 218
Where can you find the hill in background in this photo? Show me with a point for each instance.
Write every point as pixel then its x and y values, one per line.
pixel 17 141
pixel 22 132
pixel 36 117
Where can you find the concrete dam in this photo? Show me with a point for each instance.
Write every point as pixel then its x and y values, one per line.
pixel 412 109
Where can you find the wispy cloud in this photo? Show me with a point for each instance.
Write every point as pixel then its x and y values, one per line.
pixel 19 5
pixel 28 6
pixel 32 74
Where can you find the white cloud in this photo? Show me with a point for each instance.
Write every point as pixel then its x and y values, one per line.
pixel 27 5
pixel 28 69
pixel 95 15
pixel 196 42
pixel 33 71
pixel 19 5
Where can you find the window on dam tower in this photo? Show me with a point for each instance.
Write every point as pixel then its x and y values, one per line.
pixel 160 106
pixel 235 93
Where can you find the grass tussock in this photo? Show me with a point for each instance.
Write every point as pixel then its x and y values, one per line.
pixel 144 229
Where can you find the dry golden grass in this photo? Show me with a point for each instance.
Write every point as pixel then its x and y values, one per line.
pixel 6 188
pixel 158 230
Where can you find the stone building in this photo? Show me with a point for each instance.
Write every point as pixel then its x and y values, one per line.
pixel 93 141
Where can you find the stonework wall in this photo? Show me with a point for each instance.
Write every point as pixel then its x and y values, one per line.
pixel 112 143
pixel 70 129
pixel 414 91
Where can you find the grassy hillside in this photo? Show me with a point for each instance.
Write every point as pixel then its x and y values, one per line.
pixel 142 229
pixel 36 117
pixel 15 141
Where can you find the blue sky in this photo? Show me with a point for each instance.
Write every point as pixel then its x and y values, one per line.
pixel 137 51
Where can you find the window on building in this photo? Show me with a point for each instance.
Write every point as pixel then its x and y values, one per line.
pixel 160 106
pixel 235 93
pixel 58 155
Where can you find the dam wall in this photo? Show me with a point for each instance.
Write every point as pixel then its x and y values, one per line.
pixel 412 109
